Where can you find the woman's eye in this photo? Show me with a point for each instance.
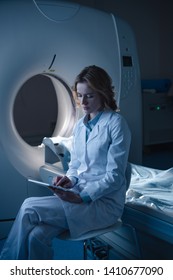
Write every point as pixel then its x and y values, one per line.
pixel 89 95
pixel 86 96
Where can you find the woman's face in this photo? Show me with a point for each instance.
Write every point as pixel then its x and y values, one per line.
pixel 90 101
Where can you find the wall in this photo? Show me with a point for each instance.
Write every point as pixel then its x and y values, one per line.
pixel 152 23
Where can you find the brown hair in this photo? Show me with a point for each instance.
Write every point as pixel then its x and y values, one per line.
pixel 99 81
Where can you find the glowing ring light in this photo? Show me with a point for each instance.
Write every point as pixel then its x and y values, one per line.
pixel 25 158
pixel 27 50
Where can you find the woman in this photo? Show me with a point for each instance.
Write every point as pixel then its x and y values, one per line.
pixel 96 176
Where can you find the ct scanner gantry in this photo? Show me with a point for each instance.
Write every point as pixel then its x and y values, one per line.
pixel 56 40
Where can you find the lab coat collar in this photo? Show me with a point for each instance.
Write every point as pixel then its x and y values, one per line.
pixel 103 120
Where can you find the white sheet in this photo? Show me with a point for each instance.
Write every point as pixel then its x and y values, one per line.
pixel 152 188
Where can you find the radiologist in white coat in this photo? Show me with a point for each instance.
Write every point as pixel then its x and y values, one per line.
pixel 96 176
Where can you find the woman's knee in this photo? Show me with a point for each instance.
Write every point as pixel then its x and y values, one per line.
pixel 28 202
pixel 27 214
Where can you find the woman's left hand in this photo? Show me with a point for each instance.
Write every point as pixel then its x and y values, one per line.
pixel 69 196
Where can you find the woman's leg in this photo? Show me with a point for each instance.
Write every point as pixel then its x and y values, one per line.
pixel 40 242
pixel 39 220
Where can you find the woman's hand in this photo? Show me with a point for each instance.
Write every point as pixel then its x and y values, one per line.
pixel 65 195
pixel 62 181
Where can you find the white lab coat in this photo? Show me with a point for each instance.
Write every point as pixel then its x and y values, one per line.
pixel 100 165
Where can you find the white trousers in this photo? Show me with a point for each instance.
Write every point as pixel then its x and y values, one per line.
pixel 39 220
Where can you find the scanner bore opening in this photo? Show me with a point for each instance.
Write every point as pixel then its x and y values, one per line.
pixel 36 109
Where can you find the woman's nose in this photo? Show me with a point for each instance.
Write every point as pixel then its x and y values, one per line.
pixel 84 100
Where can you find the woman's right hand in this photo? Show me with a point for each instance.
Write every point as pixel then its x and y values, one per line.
pixel 62 181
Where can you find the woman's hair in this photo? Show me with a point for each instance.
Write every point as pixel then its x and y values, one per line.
pixel 99 81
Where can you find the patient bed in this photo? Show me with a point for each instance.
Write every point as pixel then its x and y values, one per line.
pixel 151 188
pixel 149 209
pixel 147 228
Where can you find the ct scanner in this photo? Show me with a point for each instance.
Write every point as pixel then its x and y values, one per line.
pixel 56 39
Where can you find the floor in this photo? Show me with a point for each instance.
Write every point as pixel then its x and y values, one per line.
pixel 64 250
